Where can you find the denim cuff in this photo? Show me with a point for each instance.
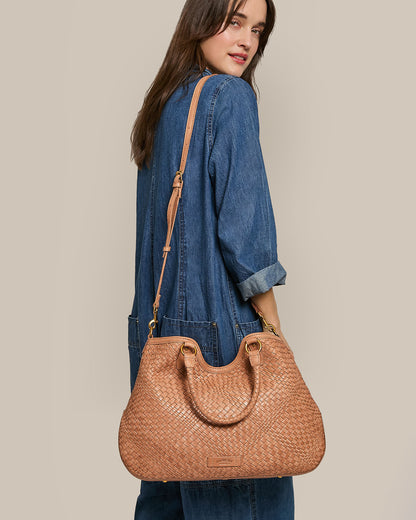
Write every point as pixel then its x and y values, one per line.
pixel 262 281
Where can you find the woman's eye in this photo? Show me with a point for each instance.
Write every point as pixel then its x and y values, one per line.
pixel 236 22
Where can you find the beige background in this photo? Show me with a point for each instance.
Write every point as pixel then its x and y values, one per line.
pixel 337 116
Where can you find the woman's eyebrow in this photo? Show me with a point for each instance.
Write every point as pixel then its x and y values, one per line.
pixel 242 15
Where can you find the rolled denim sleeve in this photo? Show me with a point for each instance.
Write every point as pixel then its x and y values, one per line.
pixel 246 224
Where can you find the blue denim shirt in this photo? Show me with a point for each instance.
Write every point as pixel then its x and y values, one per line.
pixel 223 246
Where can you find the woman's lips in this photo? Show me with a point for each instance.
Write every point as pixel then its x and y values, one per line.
pixel 237 59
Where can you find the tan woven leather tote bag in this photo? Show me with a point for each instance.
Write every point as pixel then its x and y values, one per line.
pixel 188 420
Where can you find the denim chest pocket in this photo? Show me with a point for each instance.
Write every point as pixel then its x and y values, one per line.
pixel 247 327
pixel 135 351
pixel 203 332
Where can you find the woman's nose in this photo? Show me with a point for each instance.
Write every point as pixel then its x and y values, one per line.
pixel 245 38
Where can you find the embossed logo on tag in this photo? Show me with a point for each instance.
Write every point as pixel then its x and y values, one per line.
pixel 231 460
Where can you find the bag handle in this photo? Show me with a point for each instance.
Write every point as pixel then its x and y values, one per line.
pixel 224 416
pixel 174 201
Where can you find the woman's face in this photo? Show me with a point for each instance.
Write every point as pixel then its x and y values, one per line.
pixel 241 37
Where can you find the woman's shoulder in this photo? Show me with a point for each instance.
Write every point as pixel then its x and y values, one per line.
pixel 223 98
pixel 220 90
pixel 230 99
pixel 229 88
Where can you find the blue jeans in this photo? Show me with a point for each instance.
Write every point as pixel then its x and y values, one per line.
pixel 234 499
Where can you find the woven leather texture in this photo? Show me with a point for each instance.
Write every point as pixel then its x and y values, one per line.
pixel 188 420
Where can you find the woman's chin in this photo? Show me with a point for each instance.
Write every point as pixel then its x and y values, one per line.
pixel 234 69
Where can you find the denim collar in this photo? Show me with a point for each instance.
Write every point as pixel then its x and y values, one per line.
pixel 206 71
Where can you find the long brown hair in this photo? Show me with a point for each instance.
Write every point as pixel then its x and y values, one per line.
pixel 185 61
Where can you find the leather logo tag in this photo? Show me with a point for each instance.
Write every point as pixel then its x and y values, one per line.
pixel 224 461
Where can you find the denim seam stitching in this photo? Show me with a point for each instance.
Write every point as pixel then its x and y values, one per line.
pixel 182 259
pixel 210 120
pixel 214 343
pixel 253 505
pixel 188 323
pixel 236 331
pixel 152 228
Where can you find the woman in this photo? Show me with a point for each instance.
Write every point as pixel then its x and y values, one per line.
pixel 223 247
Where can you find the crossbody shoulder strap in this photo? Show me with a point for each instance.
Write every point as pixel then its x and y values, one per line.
pixel 177 191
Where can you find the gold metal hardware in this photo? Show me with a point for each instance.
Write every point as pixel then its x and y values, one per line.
pixel 152 322
pixel 268 326
pixel 272 328
pixel 190 346
pixel 258 341
pixel 152 325
pixel 179 173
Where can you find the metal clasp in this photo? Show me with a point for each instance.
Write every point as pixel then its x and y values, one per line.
pixel 152 322
pixel 268 326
